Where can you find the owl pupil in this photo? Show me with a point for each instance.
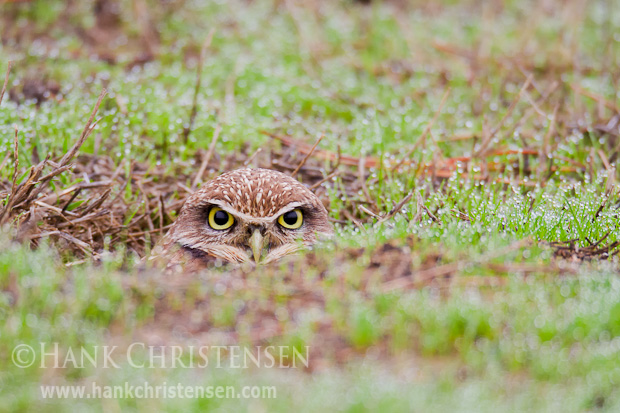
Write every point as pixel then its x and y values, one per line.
pixel 290 218
pixel 220 218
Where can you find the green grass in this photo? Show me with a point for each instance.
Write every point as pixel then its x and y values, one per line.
pixel 543 336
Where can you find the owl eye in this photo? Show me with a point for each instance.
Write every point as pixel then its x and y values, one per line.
pixel 220 219
pixel 292 219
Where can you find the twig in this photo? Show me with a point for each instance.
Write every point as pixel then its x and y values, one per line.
pixel 35 186
pixel 128 177
pixel 4 213
pixel 81 244
pixel 418 212
pixel 303 161
pixel 368 211
pixel 97 202
pixel 600 240
pixel 251 158
pixel 21 191
pixel 147 209
pixel 351 218
pixel 611 173
pixel 5 160
pixel 162 212
pixel 604 159
pixel 461 215
pixel 595 97
pixel 337 165
pixel 84 218
pixel 185 188
pixel 397 208
pixel 6 80
pixel 431 215
pixel 141 233
pixel 75 195
pixel 51 199
pixel 15 160
pixel 207 157
pixel 362 180
pixel 194 111
pixel 327 178
pixel 85 133
pixel 55 209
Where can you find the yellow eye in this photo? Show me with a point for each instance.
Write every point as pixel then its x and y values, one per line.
pixel 220 219
pixel 292 219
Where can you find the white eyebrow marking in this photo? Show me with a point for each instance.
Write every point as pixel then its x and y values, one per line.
pixel 252 219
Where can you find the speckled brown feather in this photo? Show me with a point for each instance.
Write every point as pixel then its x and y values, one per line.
pixel 255 197
pixel 255 192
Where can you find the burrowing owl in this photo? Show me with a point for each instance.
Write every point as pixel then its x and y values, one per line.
pixel 244 215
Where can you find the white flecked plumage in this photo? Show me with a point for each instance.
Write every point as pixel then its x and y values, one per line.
pixel 255 198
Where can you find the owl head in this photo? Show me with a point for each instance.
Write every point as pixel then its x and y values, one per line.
pixel 248 214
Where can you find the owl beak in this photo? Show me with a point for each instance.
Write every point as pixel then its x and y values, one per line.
pixel 256 243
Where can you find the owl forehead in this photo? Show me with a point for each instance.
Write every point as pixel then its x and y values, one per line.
pixel 255 192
